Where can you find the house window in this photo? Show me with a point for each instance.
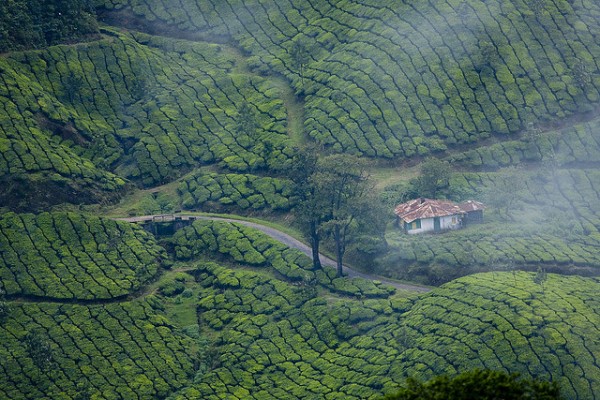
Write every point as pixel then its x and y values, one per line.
pixel 414 225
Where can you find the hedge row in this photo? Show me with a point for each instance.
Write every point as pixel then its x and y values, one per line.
pixel 36 137
pixel 577 143
pixel 144 107
pixel 113 351
pixel 243 191
pixel 405 78
pixel 562 202
pixel 278 340
pixel 248 246
pixel 507 321
pixel 68 256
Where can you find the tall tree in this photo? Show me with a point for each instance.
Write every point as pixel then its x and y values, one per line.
pixel 334 197
pixel 343 181
pixel 38 348
pixel 507 190
pixel 300 54
pixel 309 209
pixel 581 75
pixel 4 307
pixel 537 6
pixel 247 123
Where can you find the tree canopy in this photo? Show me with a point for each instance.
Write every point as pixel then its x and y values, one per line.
pixel 478 385
pixel 336 199
pixel 28 24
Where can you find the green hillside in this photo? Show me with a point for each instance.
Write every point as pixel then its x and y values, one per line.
pixel 145 108
pixel 255 321
pixel 406 78
pixel 113 351
pixel 122 108
pixel 69 256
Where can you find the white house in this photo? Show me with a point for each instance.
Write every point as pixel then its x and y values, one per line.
pixel 426 215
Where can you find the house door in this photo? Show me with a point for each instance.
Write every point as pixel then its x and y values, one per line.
pixel 436 224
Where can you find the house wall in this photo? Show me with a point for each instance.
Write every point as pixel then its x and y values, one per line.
pixel 426 226
pixel 450 222
pixel 474 217
pixel 446 223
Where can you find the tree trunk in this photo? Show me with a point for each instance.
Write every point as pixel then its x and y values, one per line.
pixel 339 250
pixel 314 244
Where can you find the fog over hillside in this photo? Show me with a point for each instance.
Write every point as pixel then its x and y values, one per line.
pixel 198 196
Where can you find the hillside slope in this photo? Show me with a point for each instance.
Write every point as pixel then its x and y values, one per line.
pixel 405 78
pixel 200 104
pixel 144 108
pixel 245 317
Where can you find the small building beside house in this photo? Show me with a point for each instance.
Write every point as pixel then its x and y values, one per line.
pixel 427 215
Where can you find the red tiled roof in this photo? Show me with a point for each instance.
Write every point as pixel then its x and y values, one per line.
pixel 427 208
pixel 471 205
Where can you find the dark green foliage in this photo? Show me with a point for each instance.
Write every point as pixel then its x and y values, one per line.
pixel 540 277
pixel 248 246
pixel 478 385
pixel 213 192
pixel 506 191
pixel 506 322
pixel 581 75
pixel 39 350
pixel 408 79
pixel 67 256
pixel 26 24
pixel 433 181
pixel 247 123
pixel 112 351
pixel 4 306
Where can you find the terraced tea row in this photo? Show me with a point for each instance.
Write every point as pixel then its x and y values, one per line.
pixel 564 147
pixel 114 351
pixel 143 107
pixel 69 256
pixel 406 78
pixel 248 246
pixel 276 333
pixel 243 191
pixel 507 321
pixel 277 340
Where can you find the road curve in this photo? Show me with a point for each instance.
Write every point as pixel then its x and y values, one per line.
pixel 281 237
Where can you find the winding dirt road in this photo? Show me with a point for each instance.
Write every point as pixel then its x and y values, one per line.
pixel 283 238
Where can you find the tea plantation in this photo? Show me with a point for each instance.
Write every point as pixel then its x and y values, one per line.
pixel 407 78
pixel 548 215
pixel 262 324
pixel 143 107
pixel 117 108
